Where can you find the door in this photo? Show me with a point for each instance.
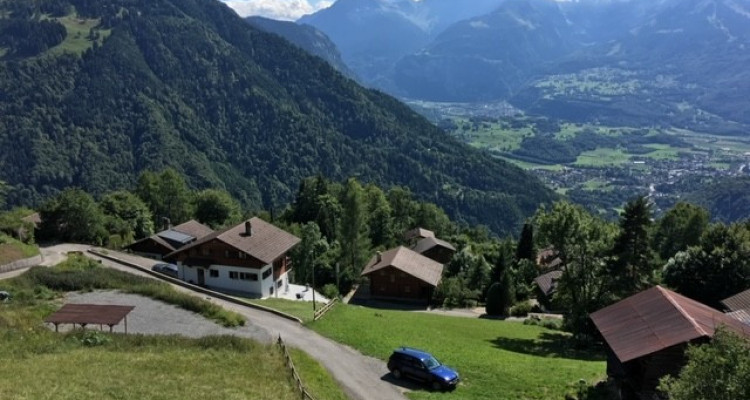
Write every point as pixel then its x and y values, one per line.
pixel 201 277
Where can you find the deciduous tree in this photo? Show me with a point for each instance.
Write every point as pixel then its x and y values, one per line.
pixel 216 208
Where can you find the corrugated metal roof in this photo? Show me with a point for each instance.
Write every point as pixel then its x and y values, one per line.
pixel 409 261
pixel 266 243
pixel 547 282
pixel 430 242
pixel 89 314
pixel 656 319
pixel 740 301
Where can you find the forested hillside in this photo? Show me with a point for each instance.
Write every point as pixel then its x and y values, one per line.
pixel 115 87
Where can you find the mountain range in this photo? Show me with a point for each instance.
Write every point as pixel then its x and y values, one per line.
pixel 638 62
pixel 93 93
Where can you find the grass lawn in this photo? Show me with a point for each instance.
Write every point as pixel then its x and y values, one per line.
pixel 300 309
pixel 14 250
pixel 602 157
pixel 496 359
pixel 121 366
pixel 77 40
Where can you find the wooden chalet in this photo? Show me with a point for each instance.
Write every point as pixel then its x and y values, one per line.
pixel 249 258
pixel 546 286
pixel 157 246
pixel 435 249
pixel 647 334
pixel 403 274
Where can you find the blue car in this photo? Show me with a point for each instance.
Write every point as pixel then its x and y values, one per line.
pixel 422 366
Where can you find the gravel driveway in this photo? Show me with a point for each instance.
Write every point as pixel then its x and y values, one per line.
pixel 153 317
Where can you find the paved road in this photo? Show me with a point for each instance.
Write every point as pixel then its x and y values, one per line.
pixel 361 377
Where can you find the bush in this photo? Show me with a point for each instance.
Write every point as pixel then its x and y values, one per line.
pixel 495 300
pixel 94 338
pixel 330 291
pixel 521 309
pixel 549 323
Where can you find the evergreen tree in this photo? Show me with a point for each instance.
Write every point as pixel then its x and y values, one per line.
pixel 525 249
pixel 381 222
pixel 353 234
pixel 633 266
pixel 308 256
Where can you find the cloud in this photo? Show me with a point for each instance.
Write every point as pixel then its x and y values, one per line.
pixel 277 9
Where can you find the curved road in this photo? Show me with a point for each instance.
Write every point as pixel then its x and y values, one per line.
pixel 361 377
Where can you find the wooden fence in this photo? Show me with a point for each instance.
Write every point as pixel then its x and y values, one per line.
pixel 290 364
pixel 318 314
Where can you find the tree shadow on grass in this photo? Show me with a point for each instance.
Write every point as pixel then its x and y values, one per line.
pixel 550 344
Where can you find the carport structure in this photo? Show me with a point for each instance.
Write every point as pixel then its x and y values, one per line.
pixel 88 314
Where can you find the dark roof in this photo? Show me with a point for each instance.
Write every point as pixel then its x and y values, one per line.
pixel 154 238
pixel 430 242
pixel 656 319
pixel 89 314
pixel 547 282
pixel 740 301
pixel 267 242
pixel 193 228
pixel 418 233
pixel 409 261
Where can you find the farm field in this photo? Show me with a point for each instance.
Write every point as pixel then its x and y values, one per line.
pixel 300 309
pixel 78 37
pixel 495 359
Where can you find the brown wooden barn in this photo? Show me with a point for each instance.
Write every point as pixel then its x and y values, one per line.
pixel 403 274
pixel 546 286
pixel 647 334
pixel 436 249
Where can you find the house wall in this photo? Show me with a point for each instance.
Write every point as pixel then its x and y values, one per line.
pixel 638 379
pixel 150 249
pixel 226 260
pixel 394 283
pixel 439 254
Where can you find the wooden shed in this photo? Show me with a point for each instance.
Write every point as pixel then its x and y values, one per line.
pixel 403 274
pixel 647 334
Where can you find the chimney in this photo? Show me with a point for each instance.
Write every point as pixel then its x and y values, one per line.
pixel 380 256
pixel 248 228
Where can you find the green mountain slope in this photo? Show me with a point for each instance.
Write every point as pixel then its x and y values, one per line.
pixel 144 84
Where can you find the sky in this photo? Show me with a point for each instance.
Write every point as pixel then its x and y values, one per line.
pixel 277 9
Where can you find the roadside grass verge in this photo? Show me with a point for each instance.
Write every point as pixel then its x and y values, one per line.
pixel 39 364
pixel 80 273
pixel 14 250
pixel 315 378
pixel 495 359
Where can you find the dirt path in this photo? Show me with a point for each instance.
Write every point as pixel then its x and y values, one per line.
pixel 362 377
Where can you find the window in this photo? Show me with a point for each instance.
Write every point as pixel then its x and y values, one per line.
pixel 226 254
pixel 234 275
pixel 213 273
pixel 266 273
pixel 241 254
pixel 407 289
pixel 206 251
pixel 393 278
pixel 248 276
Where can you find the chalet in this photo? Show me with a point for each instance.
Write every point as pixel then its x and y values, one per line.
pixel 249 258
pixel 403 274
pixel 435 249
pixel 170 239
pixel 546 286
pixel 647 334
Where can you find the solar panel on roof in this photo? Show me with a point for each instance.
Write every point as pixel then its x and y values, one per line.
pixel 174 236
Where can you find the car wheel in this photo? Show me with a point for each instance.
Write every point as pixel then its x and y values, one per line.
pixel 436 386
pixel 396 373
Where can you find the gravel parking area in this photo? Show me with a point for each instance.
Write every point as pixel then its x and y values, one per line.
pixel 153 317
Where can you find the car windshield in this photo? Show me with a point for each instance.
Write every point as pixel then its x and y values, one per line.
pixel 431 363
